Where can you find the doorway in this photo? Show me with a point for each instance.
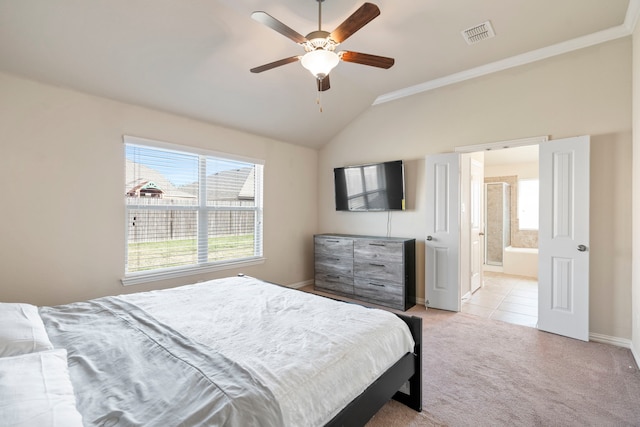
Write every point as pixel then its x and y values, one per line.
pixel 563 277
pixel 509 288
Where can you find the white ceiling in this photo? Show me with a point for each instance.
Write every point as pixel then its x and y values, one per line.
pixel 192 57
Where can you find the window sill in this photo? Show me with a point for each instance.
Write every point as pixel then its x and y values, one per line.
pixel 146 277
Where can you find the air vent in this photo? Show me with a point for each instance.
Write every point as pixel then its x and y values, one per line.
pixel 478 33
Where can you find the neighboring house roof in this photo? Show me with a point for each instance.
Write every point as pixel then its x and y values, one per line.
pixel 248 190
pixel 143 174
pixel 235 184
pixel 146 188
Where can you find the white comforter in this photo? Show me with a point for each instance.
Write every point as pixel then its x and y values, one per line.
pixel 314 354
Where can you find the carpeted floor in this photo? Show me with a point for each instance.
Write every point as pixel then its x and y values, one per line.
pixel 483 372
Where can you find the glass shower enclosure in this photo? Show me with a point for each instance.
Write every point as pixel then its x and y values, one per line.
pixel 498 221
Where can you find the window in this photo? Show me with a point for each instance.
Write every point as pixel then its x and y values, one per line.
pixel 528 199
pixel 188 212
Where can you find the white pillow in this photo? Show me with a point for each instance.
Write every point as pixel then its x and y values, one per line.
pixel 35 390
pixel 21 330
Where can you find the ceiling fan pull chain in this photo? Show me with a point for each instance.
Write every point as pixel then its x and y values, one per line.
pixel 318 100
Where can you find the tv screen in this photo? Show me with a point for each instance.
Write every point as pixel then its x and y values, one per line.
pixel 374 187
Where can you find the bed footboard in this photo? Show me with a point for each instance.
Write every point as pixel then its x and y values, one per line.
pixel 410 393
pixel 402 382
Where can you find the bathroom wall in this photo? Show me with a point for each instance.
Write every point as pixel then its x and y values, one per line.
pixel 510 173
pixel 497 222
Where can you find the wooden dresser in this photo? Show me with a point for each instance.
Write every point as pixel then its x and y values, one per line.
pixel 380 270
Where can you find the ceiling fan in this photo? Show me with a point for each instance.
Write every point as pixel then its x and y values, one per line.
pixel 320 57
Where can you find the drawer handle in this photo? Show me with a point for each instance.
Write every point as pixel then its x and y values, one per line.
pixel 376 284
pixel 377 244
pixel 332 277
pixel 376 265
pixel 333 241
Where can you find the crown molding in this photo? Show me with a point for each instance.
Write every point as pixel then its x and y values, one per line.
pixel 623 30
pixel 633 13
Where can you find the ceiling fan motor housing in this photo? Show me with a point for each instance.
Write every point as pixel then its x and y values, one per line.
pixel 319 40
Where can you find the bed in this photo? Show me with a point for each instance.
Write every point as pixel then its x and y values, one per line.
pixel 231 352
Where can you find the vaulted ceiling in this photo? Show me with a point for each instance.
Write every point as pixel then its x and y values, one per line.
pixel 193 57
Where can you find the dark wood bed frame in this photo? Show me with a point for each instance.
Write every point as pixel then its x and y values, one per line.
pixel 402 382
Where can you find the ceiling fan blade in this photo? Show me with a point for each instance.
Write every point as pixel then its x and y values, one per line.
pixel 366 59
pixel 323 84
pixel 361 17
pixel 275 64
pixel 273 23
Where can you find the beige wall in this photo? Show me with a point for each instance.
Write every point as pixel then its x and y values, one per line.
pixel 62 175
pixel 586 92
pixel 636 195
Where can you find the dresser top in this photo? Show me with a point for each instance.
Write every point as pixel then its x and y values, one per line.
pixel 358 236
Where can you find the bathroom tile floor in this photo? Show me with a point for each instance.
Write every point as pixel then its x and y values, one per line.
pixel 511 299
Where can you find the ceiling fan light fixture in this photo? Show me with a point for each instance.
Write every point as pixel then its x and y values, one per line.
pixel 320 57
pixel 320 62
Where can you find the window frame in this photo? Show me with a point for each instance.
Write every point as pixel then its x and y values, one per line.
pixel 203 265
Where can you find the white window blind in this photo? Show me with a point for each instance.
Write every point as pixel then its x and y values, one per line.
pixel 189 210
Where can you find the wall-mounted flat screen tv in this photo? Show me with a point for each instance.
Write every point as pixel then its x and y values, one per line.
pixel 372 187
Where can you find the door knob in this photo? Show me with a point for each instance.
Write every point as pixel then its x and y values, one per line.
pixel 582 248
pixel 481 234
pixel 429 238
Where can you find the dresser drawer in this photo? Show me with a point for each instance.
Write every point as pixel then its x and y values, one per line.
pixel 378 270
pixel 334 265
pixel 334 283
pixel 382 250
pixel 385 293
pixel 336 246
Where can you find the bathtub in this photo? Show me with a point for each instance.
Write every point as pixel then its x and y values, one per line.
pixel 520 261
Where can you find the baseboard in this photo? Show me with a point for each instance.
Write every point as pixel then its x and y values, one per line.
pixel 635 354
pixel 300 284
pixel 607 339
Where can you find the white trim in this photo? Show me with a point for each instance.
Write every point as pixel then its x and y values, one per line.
pixel 128 139
pixel 613 33
pixel 636 356
pixel 607 339
pixel 302 284
pixel 502 144
pixel 633 13
pixel 138 278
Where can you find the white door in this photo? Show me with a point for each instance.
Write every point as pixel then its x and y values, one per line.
pixel 563 276
pixel 476 220
pixel 442 287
